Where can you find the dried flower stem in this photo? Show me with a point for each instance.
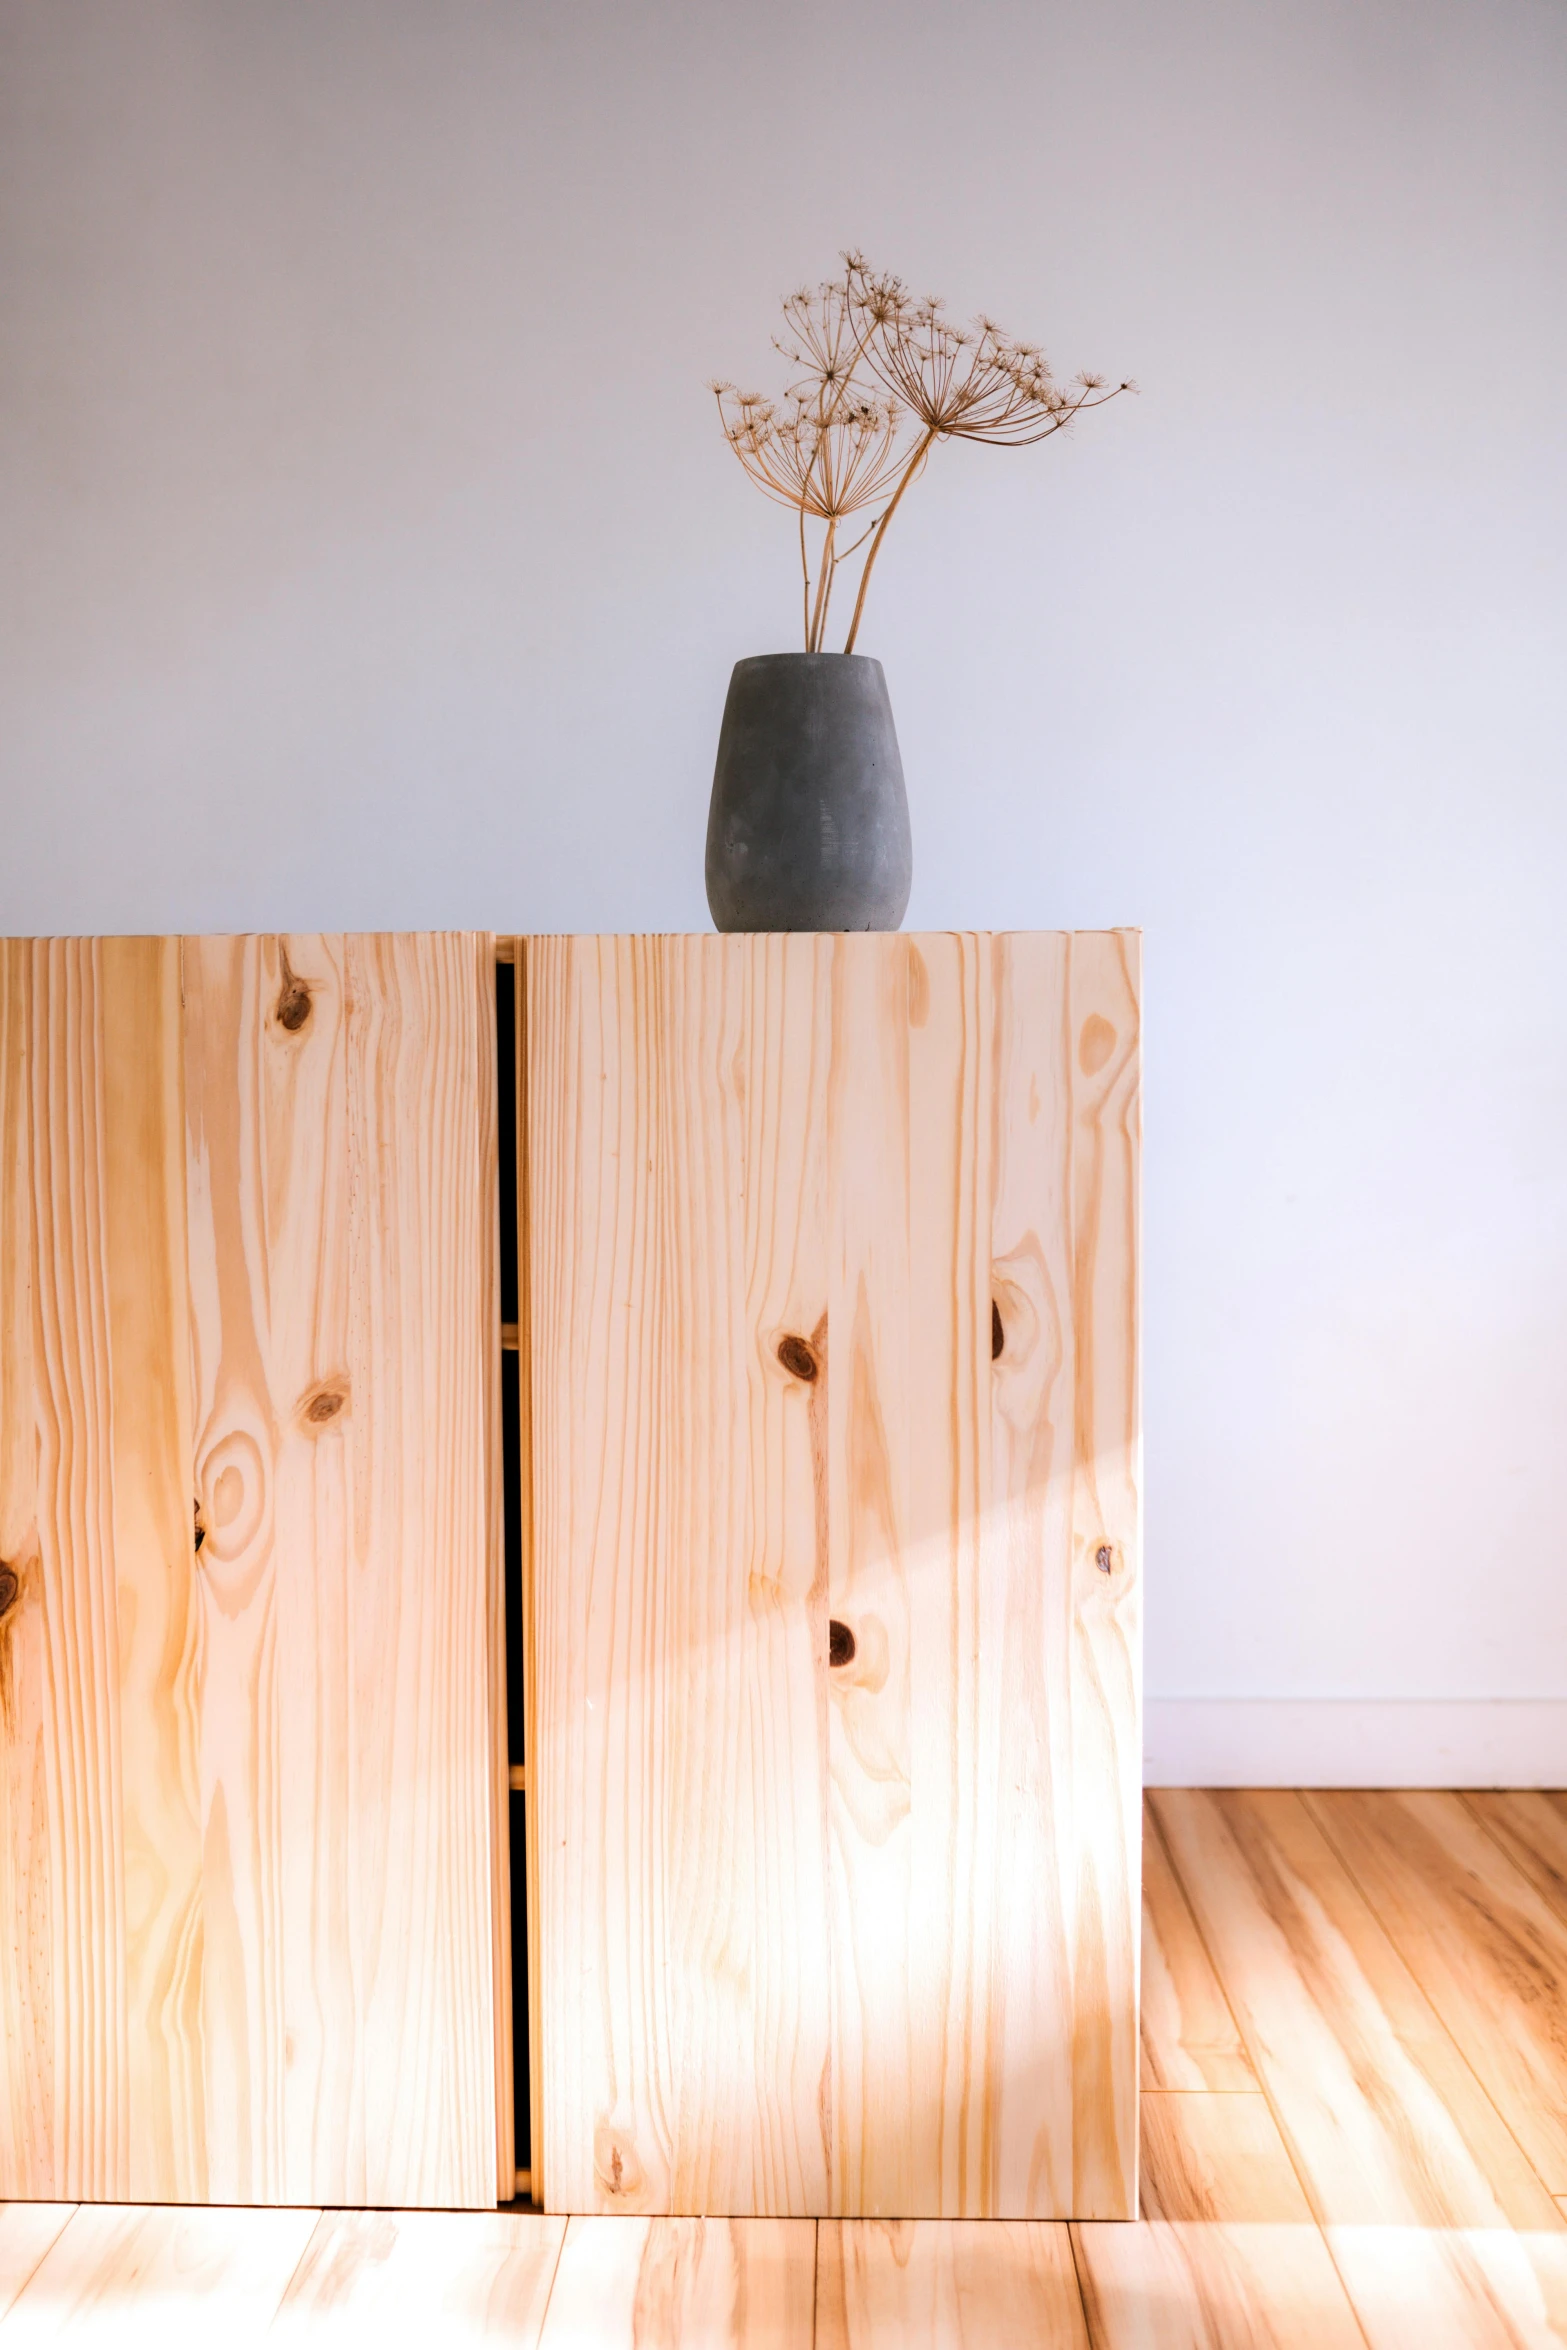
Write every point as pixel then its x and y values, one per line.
pixel 913 467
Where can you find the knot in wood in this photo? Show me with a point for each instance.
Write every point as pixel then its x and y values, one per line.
pixel 322 1406
pixel 201 1531
pixel 1095 1045
pixel 840 1643
pixel 10 1585
pixel 797 1357
pixel 1104 1558
pixel 293 1001
pixel 616 2163
pixel 998 1336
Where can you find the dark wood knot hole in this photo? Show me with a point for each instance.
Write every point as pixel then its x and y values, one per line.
pixel 840 1643
pixel 998 1337
pixel 293 1001
pixel 10 1585
pixel 797 1357
pixel 1104 1558
pixel 201 1531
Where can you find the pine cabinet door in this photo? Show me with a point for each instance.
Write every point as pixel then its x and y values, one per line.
pixel 832 1328
pixel 248 1349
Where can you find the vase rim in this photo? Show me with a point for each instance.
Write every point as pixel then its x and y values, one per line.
pixel 865 660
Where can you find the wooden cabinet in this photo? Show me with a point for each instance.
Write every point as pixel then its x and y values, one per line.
pixel 831 1325
pixel 830 1578
pixel 250 1945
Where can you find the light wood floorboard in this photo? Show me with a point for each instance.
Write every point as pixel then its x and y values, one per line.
pixel 1227 2250
pixel 1440 2227
pixel 1488 1950
pixel 1189 2035
pixel 162 2275
pixel 1532 1828
pixel 704 2284
pixel 439 2277
pixel 26 2232
pixel 946 2285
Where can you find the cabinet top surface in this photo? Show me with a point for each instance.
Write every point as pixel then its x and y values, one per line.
pixel 1127 930
pixel 1116 930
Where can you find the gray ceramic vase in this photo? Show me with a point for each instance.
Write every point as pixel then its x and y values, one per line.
pixel 809 823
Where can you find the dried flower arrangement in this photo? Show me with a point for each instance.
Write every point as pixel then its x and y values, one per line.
pixel 883 377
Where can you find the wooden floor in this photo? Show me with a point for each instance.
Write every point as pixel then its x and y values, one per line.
pixel 1354 2133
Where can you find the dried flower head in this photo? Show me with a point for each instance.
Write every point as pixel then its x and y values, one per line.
pixel 828 456
pixel 883 377
pixel 831 447
pixel 979 385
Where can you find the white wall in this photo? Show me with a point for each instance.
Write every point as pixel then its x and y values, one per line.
pixel 370 558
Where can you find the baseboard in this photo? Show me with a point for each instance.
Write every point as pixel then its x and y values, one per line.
pixel 1354 1742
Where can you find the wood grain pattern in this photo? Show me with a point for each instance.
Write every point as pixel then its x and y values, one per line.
pixel 383 2277
pixel 704 2284
pixel 844 1937
pixel 128 2275
pixel 1531 1828
pixel 154 1566
pixel 268 1184
pixel 1487 1949
pixel 946 2285
pixel 340 1207
pixel 1227 2251
pixel 27 2116
pixel 1103 1053
pixel 99 1837
pixel 679 1731
pixel 245 1436
pixel 1189 2036
pixel 1439 2226
pixel 1455 2288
